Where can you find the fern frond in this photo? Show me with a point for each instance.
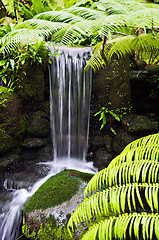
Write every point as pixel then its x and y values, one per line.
pixel 86 13
pixel 120 7
pixel 125 173
pixel 59 16
pixel 128 45
pixel 143 141
pixel 149 152
pixel 126 226
pixel 76 33
pixel 96 61
pixel 112 23
pixel 117 200
pixel 145 18
pixel 44 27
pixel 17 38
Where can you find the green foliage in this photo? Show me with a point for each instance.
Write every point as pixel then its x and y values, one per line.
pixel 121 201
pixel 11 65
pixel 117 114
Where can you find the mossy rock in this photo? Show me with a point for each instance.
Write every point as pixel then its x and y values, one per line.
pixel 12 123
pixel 135 123
pixel 52 204
pixel 30 85
pixel 39 125
pixel 56 190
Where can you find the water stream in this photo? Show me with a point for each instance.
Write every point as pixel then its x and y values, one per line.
pixel 70 90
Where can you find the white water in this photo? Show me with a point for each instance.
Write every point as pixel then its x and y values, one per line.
pixel 70 88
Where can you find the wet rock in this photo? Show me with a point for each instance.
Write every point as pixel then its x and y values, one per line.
pixel 34 142
pixel 102 158
pixel 121 140
pixel 38 126
pixel 137 124
pixel 30 87
pixel 98 141
pixel 112 85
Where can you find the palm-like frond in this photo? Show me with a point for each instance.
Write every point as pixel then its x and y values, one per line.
pixel 126 173
pixel 145 18
pixel 115 201
pixel 18 38
pixel 119 7
pixel 149 152
pixel 144 141
pixel 76 33
pixel 44 27
pixel 145 43
pixel 86 13
pixel 128 185
pixel 59 16
pixel 126 226
pixel 96 61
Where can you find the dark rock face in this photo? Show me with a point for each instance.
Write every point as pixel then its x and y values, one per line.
pixel 137 124
pixel 30 87
pixel 38 127
pixel 144 119
pixel 112 84
pixel 12 123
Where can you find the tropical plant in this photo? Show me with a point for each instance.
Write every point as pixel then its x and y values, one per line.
pixel 88 26
pixel 121 201
pixel 11 65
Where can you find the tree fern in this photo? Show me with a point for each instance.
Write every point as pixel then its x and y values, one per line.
pixel 46 28
pixel 121 201
pixel 59 16
pixel 144 141
pixel 18 38
pixel 146 44
pixel 145 18
pixel 86 13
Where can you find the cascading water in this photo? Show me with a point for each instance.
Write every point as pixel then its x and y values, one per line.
pixel 70 89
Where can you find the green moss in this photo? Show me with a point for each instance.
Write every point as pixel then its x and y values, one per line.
pixel 47 232
pixel 6 96
pixel 56 190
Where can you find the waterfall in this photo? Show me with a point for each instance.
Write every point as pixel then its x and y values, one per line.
pixel 70 91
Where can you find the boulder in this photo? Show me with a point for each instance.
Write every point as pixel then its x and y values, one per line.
pixel 48 210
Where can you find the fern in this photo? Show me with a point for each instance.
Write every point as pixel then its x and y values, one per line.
pixel 59 16
pixel 126 226
pixel 121 201
pixel 145 18
pixel 126 173
pixel 86 13
pixel 18 38
pixel 44 27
